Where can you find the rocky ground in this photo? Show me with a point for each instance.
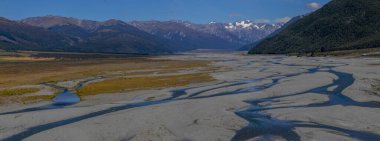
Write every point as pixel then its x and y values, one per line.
pixel 252 98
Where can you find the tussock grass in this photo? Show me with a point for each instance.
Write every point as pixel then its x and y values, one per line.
pixel 14 54
pixel 10 59
pixel 153 72
pixel 20 57
pixel 25 73
pixel 32 72
pixel 18 91
pixel 28 99
pixel 185 64
pixel 141 83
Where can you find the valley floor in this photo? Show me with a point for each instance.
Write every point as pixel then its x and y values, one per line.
pixel 233 97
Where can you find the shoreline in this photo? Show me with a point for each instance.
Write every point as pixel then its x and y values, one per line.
pixel 276 97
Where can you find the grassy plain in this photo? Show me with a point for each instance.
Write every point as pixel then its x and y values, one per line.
pixel 141 83
pixel 36 72
pixel 17 70
pixel 17 91
pixel 19 95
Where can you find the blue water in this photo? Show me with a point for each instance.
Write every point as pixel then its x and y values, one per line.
pixel 66 98
pixel 260 123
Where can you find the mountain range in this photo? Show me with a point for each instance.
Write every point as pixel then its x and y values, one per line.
pixel 69 35
pixel 208 36
pixel 339 25
pixel 56 33
pixel 250 46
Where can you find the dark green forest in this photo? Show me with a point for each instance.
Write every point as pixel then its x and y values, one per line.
pixel 339 25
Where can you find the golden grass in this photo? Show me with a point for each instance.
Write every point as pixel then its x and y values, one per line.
pixel 17 91
pixel 28 99
pixel 14 54
pixel 24 59
pixel 17 95
pixel 153 72
pixel 140 73
pixel 25 73
pixel 185 64
pixel 20 57
pixel 141 83
pixel 19 68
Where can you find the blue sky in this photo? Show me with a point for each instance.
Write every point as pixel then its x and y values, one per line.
pixel 198 11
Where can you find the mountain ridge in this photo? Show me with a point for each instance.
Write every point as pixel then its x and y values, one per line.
pixel 228 37
pixel 69 36
pixel 339 25
pixel 274 33
pixel 141 36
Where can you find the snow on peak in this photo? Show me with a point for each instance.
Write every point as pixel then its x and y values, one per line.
pixel 230 26
pixel 246 24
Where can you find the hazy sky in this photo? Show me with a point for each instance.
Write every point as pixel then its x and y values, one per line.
pixel 198 11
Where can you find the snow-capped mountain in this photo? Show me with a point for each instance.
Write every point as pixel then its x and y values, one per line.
pixel 249 25
pixel 283 26
pixel 184 34
pixel 241 32
pixel 215 34
pixel 141 36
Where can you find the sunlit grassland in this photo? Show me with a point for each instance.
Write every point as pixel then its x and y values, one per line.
pixel 16 59
pixel 28 99
pixel 20 56
pixel 120 73
pixel 19 95
pixel 22 95
pixel 161 71
pixel 36 72
pixel 142 83
pixel 14 54
pixel 17 91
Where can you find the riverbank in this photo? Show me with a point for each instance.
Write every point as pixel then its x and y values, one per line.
pixel 249 97
pixel 65 73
